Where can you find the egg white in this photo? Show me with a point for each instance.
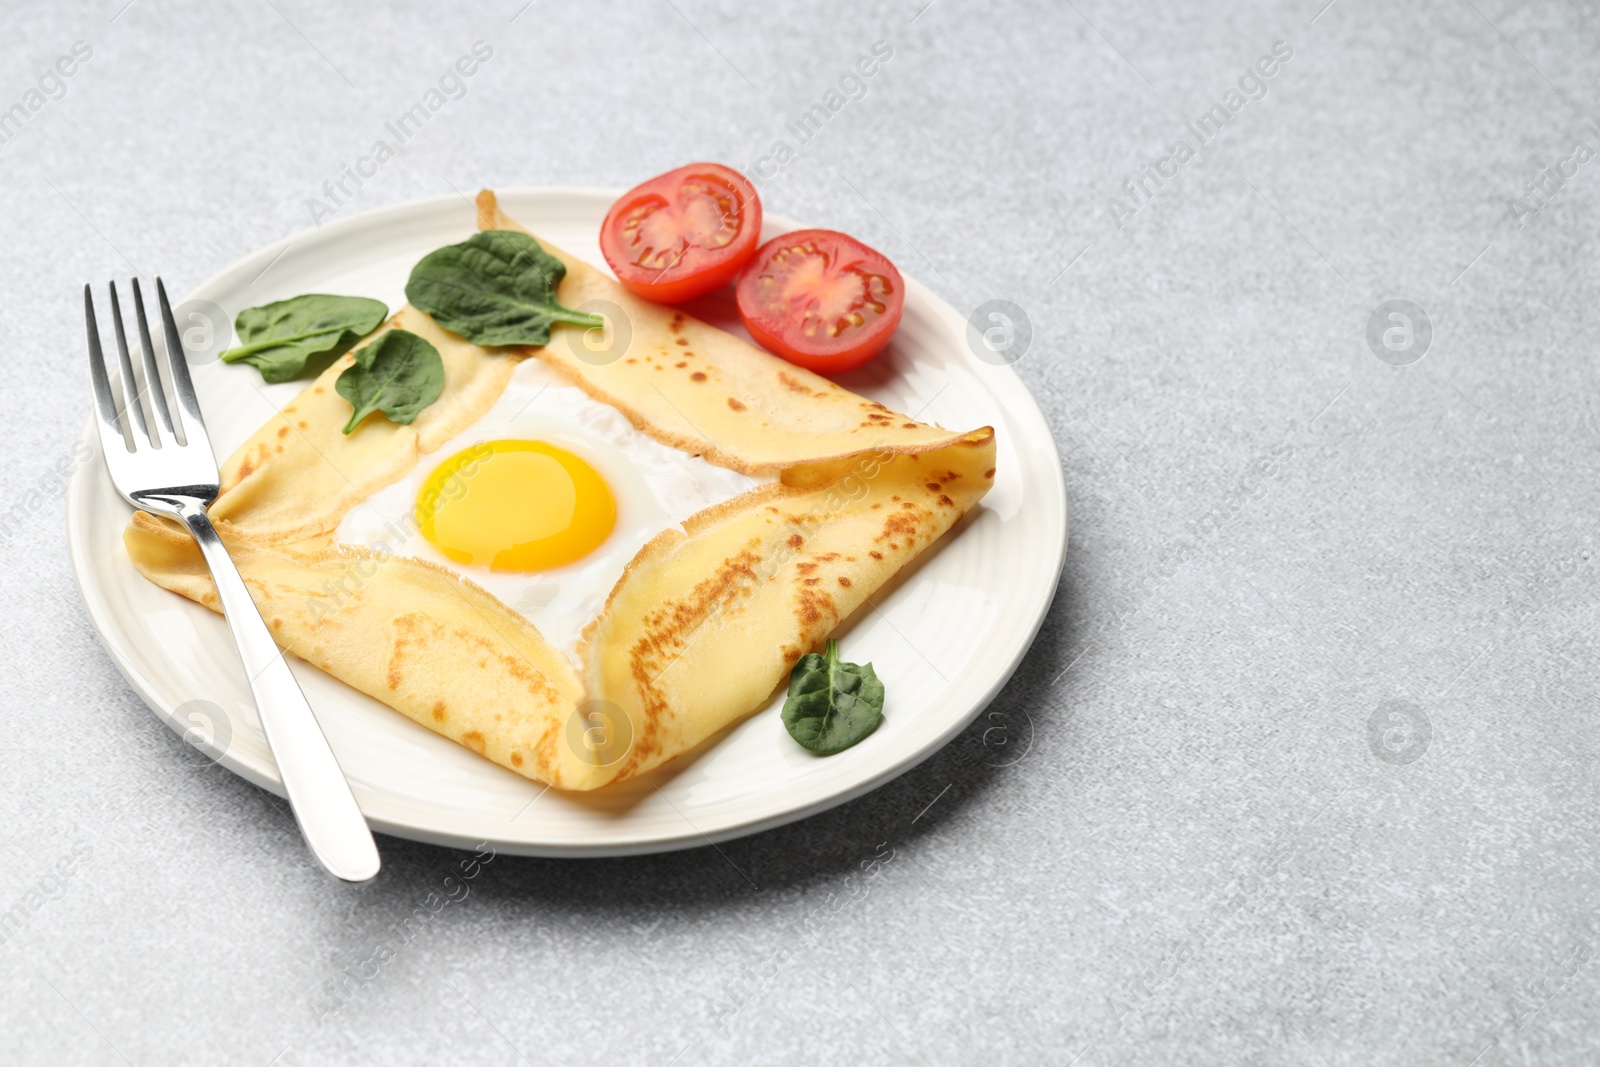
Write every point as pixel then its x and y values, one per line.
pixel 655 487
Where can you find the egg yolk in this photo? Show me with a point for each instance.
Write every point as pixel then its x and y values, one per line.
pixel 515 506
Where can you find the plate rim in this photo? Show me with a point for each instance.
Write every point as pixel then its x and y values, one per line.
pixel 97 605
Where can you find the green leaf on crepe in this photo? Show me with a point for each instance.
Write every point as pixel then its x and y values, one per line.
pixel 832 704
pixel 398 374
pixel 278 338
pixel 498 287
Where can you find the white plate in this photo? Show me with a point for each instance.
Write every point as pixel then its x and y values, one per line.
pixel 945 636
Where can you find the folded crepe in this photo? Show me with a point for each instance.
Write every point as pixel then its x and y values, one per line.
pixel 706 620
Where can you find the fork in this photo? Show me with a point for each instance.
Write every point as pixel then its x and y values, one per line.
pixel 164 465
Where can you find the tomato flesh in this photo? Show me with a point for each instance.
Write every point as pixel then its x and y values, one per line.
pixel 682 234
pixel 821 299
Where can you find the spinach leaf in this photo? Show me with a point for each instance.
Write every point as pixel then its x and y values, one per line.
pixel 278 338
pixel 496 288
pixel 832 704
pixel 398 374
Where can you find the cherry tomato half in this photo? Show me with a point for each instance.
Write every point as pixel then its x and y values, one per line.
pixel 684 233
pixel 821 299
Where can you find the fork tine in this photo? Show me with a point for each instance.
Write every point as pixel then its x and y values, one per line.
pixel 152 376
pixel 194 424
pixel 130 392
pixel 105 404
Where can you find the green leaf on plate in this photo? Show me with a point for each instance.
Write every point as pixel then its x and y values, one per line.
pixel 496 288
pixel 832 704
pixel 398 374
pixel 279 338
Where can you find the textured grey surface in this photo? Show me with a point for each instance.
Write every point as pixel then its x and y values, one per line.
pixel 1176 840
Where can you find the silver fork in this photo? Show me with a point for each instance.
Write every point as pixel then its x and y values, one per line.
pixel 169 469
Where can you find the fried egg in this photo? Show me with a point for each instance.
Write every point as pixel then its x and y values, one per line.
pixel 542 501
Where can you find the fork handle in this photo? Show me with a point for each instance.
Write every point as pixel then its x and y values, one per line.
pixel 318 793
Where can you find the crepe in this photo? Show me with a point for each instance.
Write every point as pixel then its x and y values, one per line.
pixel 705 622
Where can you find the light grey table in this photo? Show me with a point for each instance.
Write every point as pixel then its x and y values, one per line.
pixel 1300 769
